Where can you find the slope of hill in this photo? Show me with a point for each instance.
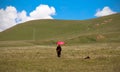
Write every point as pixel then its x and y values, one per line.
pixel 103 29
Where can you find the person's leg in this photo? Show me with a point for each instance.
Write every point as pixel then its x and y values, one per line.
pixel 59 53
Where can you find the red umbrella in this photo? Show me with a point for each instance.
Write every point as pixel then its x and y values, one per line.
pixel 60 43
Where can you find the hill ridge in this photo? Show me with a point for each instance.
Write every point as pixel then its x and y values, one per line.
pixel 70 31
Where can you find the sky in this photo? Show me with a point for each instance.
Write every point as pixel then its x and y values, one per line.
pixel 13 12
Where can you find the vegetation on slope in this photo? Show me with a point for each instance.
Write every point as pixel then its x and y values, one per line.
pixel 103 29
pixel 20 49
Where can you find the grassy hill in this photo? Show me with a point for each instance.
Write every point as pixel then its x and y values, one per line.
pixel 103 29
pixel 30 46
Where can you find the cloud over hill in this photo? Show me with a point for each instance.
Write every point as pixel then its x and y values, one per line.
pixel 10 16
pixel 104 12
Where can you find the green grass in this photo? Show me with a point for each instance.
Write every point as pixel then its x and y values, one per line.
pixel 30 46
pixel 50 31
pixel 104 57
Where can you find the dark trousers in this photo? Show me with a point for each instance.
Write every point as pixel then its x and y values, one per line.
pixel 58 53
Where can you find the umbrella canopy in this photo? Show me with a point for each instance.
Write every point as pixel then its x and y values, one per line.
pixel 60 43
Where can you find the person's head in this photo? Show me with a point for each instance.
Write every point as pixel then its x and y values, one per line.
pixel 58 45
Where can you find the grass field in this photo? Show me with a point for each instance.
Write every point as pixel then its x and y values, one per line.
pixel 31 46
pixel 104 57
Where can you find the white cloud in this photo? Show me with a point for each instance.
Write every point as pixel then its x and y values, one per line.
pixel 42 12
pixel 7 17
pixel 21 17
pixel 104 12
pixel 10 16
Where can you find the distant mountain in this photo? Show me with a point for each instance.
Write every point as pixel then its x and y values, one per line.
pixel 103 29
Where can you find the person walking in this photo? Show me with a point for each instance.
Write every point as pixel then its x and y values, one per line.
pixel 58 49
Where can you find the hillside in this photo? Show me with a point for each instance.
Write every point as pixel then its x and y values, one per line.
pixel 103 29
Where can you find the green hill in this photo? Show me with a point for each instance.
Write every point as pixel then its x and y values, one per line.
pixel 103 29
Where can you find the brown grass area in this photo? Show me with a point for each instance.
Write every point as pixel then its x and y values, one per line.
pixel 104 57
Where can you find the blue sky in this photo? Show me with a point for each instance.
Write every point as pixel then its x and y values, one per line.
pixel 65 9
pixel 13 12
